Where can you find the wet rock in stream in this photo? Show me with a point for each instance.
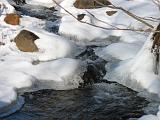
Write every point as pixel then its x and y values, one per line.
pixel 95 66
pixel 37 11
pixel 47 14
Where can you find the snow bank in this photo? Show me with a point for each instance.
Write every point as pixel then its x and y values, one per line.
pixel 46 69
pixel 51 46
pixel 137 73
pixel 50 68
pixel 84 33
pixel 120 51
pixel 18 74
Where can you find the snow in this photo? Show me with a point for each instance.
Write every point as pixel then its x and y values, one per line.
pixel 120 51
pixel 139 71
pixel 119 19
pixel 52 67
pixel 5 7
pixel 47 3
pixel 130 61
pixel 52 46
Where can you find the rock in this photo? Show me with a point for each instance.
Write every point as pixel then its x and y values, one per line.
pixel 20 2
pixel 25 41
pixel 90 4
pixel 1 43
pixel 80 16
pixel 12 19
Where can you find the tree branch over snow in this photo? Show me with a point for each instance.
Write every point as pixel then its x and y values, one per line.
pixel 127 12
pixel 140 19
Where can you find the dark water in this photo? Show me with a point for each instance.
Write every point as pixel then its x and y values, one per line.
pixel 95 100
pixel 102 101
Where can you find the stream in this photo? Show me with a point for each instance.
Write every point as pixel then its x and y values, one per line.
pixel 96 99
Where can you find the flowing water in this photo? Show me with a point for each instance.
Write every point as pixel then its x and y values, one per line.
pixel 94 100
pixel 101 101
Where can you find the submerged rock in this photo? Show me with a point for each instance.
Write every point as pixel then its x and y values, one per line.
pixel 90 4
pixel 25 41
pixel 12 19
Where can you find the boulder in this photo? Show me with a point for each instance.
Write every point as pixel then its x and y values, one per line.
pixel 25 41
pixel 90 4
pixel 12 19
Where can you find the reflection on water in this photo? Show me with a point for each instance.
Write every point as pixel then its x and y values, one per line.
pixel 101 101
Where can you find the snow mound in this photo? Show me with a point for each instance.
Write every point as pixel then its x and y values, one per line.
pixel 52 46
pixel 137 73
pixel 120 51
pixel 61 74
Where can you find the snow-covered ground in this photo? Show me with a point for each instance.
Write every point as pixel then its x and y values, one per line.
pixel 100 18
pixel 131 62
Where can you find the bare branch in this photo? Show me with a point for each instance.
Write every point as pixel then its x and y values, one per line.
pixel 113 27
pixel 127 12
